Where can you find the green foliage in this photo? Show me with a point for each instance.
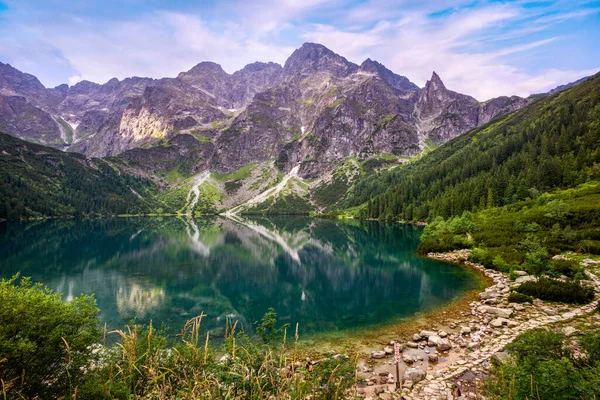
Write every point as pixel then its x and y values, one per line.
pixel 516 297
pixel 44 343
pixel 536 257
pixel 267 330
pixel 282 204
pixel 49 349
pixel 552 143
pixel 37 181
pixel 240 174
pixel 441 235
pixel 544 367
pixel 557 290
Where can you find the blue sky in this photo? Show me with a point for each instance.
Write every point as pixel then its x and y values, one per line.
pixel 482 48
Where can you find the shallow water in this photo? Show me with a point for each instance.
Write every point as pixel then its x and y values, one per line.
pixel 325 275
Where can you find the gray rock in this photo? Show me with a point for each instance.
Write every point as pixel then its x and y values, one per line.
pixel 549 311
pixel 378 354
pixel 426 334
pixel 498 322
pixel 465 330
pixel 415 375
pixel 388 350
pixel 433 358
pixel 416 337
pixel 433 340
pixel 569 331
pixel 500 312
pixel 444 344
pixel 523 279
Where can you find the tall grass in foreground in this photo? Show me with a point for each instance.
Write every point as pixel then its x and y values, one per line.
pixel 52 350
pixel 142 365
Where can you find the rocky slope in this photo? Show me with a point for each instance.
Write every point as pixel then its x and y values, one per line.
pixel 316 110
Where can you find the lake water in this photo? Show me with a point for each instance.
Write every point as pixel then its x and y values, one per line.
pixel 325 275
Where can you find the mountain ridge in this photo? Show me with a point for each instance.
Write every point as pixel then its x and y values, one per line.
pixel 314 111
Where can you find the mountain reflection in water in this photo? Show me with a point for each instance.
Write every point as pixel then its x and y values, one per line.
pixel 323 274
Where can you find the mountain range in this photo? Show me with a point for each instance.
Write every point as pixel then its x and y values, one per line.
pixel 318 109
pixel 267 138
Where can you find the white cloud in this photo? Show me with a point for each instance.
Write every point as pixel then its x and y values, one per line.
pixel 468 45
pixel 75 79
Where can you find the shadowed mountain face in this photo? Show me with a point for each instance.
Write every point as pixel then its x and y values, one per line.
pixel 316 110
pixel 325 275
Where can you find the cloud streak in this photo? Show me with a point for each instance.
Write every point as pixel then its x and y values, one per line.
pixel 478 49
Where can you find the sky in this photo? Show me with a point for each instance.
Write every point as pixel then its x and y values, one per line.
pixel 483 48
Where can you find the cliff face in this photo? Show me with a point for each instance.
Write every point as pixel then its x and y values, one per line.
pixel 315 111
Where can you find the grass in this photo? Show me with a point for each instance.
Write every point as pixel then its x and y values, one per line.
pixel 242 173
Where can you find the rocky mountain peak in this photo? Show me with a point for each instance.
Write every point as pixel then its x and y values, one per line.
pixel 396 81
pixel 14 81
pixel 311 58
pixel 435 83
pixel 204 68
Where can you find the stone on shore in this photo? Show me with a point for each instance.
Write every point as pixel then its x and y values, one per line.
pixel 415 375
pixel 426 334
pixel 523 279
pixel 444 344
pixel 499 312
pixel 569 331
pixel 378 354
pixel 433 340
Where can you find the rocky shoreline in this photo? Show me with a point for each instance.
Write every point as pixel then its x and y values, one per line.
pixel 449 361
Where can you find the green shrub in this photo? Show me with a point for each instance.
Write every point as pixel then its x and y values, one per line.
pixel 44 343
pixel 543 367
pixel 516 297
pixel 556 290
pixel 564 267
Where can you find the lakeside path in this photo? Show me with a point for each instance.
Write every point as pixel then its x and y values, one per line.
pixel 437 363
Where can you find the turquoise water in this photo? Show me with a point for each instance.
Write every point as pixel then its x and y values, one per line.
pixel 325 275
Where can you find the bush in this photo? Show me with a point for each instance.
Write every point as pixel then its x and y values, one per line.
pixel 564 267
pixel 556 290
pixel 516 297
pixel 44 343
pixel 543 367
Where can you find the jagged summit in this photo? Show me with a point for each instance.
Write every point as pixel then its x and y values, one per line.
pixel 262 112
pixel 435 82
pixel 312 57
pixel 398 82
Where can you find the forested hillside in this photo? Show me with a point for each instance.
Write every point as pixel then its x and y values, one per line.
pixel 40 181
pixel 553 143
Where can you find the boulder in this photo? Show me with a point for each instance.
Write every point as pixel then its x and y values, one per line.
pixel 498 322
pixel 521 273
pixel 414 375
pixel 444 344
pixel 426 334
pixel 442 334
pixel 474 345
pixel 523 279
pixel 549 311
pixel 388 350
pixel 408 359
pixel 465 330
pixel 587 283
pixel 433 358
pixel 433 340
pixel 416 337
pixel 569 331
pixel 499 312
pixel 378 354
